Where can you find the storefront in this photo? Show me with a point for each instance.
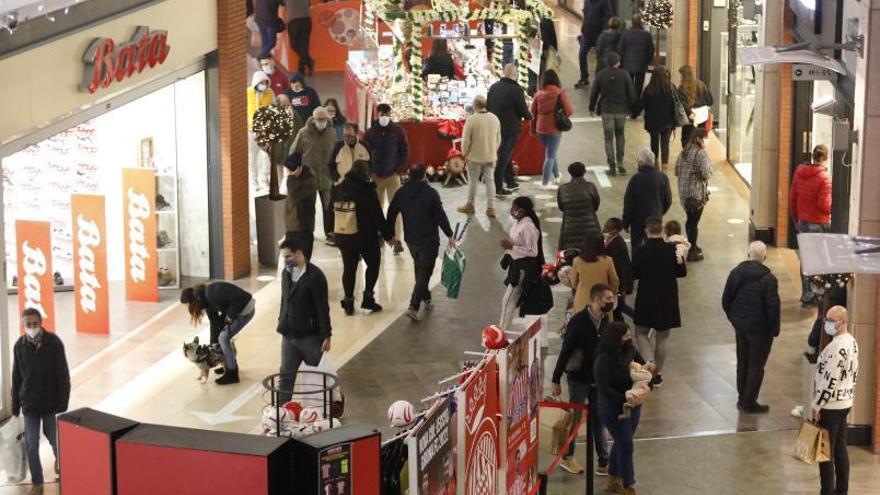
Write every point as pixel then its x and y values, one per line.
pixel 105 148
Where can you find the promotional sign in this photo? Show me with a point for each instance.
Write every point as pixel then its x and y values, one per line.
pixel 431 457
pixel 520 391
pixel 139 217
pixel 36 287
pixel 91 293
pixel 478 431
pixel 106 62
pixel 335 466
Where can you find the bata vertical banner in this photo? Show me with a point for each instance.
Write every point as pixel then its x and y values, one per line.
pixel 520 389
pixel 478 411
pixel 91 296
pixel 431 457
pixel 36 287
pixel 139 216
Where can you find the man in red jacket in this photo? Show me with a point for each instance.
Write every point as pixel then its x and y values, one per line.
pixel 810 203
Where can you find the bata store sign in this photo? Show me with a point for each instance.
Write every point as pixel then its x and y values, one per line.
pixel 139 215
pixel 35 285
pixel 90 263
pixel 106 62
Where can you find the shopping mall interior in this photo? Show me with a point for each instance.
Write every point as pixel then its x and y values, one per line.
pixel 133 170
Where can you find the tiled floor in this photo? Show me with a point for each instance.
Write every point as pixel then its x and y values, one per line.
pixel 691 439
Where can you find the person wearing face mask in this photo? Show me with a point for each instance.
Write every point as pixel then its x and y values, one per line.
pixel 40 388
pixel 809 204
pixel 615 247
pixel 299 210
pixel 347 151
pixel 576 359
pixel 834 388
pixel 337 118
pixel 315 143
pixel 751 303
pixel 303 98
pixel 278 77
pixel 389 151
pixel 304 320
pixel 592 267
pixel 258 96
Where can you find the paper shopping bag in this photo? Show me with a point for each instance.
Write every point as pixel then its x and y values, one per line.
pixel 813 444
pixel 555 427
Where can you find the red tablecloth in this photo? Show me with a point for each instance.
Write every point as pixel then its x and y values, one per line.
pixel 426 147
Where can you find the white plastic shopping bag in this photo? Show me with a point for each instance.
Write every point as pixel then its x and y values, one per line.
pixel 314 383
pixel 13 456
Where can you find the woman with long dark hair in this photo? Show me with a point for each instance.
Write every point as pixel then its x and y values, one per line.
pixel 592 267
pixel 523 261
pixel 697 94
pixel 440 61
pixel 611 372
pixel 229 309
pixel 693 169
pixel 337 118
pixel 658 102
pixel 544 124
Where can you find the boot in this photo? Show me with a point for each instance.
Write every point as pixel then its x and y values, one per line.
pixel 614 485
pixel 231 376
pixel 630 490
pixel 348 305
pixel 369 304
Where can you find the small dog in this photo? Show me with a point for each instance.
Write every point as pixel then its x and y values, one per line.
pixel 204 357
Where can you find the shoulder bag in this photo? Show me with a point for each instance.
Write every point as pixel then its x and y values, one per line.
pixel 562 120
pixel 681 114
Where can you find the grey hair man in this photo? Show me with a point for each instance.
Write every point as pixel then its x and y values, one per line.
pixel 506 99
pixel 751 303
pixel 314 144
pixel 647 195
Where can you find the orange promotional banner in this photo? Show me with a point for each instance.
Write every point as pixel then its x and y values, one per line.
pixel 91 292
pixel 139 217
pixel 335 27
pixel 34 259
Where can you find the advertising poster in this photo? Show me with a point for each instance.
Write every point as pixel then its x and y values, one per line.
pixel 91 294
pixel 36 287
pixel 478 428
pixel 431 457
pixel 139 217
pixel 335 467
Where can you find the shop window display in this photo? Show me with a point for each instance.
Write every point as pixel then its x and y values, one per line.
pixel 739 109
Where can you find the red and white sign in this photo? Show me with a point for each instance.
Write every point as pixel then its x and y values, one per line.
pixel 106 62
pixel 478 431
pixel 91 293
pixel 35 280
pixel 139 217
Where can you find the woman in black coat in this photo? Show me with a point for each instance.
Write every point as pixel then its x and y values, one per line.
pixel 357 189
pixel 657 270
pixel 440 61
pixel 658 102
pixel 578 201
pixel 615 247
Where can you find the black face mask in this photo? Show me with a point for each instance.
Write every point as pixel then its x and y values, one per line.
pixel 351 142
pixel 608 307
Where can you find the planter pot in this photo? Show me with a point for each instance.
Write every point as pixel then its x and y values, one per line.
pixel 270 228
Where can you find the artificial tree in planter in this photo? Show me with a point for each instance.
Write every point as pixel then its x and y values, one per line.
pixel 658 15
pixel 273 128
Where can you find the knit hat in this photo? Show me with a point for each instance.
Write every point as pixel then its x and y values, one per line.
pixel 258 77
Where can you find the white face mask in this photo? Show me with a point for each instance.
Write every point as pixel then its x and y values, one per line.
pixel 268 69
pixel 384 120
pixel 296 89
pixel 32 332
pixel 331 113
pixel 320 125
pixel 830 328
pixel 262 87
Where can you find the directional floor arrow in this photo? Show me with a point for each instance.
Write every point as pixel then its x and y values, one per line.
pixel 227 413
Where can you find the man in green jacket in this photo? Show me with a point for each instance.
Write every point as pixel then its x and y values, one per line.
pixel 315 143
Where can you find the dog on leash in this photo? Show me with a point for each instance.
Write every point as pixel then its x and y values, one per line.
pixel 205 357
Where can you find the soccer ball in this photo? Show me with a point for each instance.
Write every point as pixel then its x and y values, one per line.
pixel 276 419
pixel 310 415
pixel 401 413
pixel 294 408
pixel 494 337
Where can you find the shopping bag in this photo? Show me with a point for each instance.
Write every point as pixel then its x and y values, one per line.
pixel 813 444
pixel 13 457
pixel 308 382
pixel 452 271
pixel 554 427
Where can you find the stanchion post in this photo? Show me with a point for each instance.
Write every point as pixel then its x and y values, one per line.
pixel 542 479
pixel 588 469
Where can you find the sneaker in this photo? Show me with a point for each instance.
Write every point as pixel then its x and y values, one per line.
pixel 513 187
pixel 348 306
pixel 571 466
pixel 467 209
pixel 612 171
pixel 614 485
pixel 231 376
pixel 398 248
pixel 602 470
pixel 501 193
pixel 428 305
pixel 755 408
pixel 797 412
pixel 490 212
pixel 582 83
pixel 330 240
pixel 621 170
pixel 412 313
pixel 630 490
pixel 657 381
pixel 370 306
pixel 557 180
pixel 695 256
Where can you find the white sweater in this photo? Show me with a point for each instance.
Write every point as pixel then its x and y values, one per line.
pixel 834 385
pixel 481 138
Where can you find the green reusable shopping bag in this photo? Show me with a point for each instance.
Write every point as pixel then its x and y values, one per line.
pixel 452 271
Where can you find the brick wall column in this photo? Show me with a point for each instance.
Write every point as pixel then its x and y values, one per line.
pixel 694 27
pixel 786 102
pixel 232 36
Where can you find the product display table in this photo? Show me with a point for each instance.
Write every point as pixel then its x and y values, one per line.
pixel 425 144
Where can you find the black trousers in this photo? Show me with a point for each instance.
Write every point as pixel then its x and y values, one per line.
pixel 351 257
pixel 305 239
pixel 424 258
pixel 660 144
pixel 299 31
pixel 834 474
pixel 504 168
pixel 637 237
pixel 752 351
pixel 692 225
pixel 639 83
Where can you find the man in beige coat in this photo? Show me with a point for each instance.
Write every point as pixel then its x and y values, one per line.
pixel 479 145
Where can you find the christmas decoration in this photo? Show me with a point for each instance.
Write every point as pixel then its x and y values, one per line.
pixel 272 125
pixel 658 14
pixel 827 281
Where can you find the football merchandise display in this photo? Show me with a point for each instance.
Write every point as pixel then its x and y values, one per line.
pixel 401 414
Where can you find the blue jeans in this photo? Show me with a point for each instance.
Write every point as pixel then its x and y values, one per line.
pixel 32 442
pixel 809 228
pixel 226 335
pixel 622 431
pixel 578 393
pixel 551 147
pixel 268 35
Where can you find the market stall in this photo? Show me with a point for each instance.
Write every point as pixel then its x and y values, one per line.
pixel 389 67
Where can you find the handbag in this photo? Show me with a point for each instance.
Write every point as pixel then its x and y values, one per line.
pixel 563 123
pixel 681 114
pixel 345 218
pixel 813 444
